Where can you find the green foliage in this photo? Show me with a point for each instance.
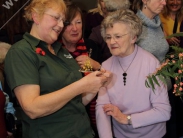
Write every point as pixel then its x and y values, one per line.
pixel 172 67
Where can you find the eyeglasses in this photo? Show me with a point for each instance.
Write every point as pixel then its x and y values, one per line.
pixel 56 18
pixel 115 37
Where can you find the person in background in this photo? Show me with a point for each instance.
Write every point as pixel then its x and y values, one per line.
pixel 118 112
pixel 152 33
pixel 45 77
pixel 6 106
pixel 4 49
pixel 72 39
pixel 94 17
pixel 171 17
pixel 84 51
pixel 110 5
pixel 3 131
pixel 152 40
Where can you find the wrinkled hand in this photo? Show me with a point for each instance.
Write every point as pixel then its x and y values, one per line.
pixel 95 80
pixel 114 111
pixel 107 74
pixel 174 41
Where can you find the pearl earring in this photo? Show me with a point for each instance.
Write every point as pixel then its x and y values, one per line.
pixel 145 6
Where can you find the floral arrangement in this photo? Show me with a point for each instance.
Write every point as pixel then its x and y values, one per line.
pixel 40 51
pixel 172 67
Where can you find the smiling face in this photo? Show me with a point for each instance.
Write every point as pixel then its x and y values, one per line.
pixel 49 26
pixel 174 5
pixel 73 32
pixel 119 39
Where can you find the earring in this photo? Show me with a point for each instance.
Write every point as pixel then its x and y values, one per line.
pixel 145 6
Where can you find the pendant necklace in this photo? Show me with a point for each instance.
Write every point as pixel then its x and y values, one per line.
pixel 125 71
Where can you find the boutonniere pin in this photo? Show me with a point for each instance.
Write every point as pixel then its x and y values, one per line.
pixel 68 56
pixel 40 51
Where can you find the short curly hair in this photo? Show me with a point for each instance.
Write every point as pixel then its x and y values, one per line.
pixel 127 17
pixel 113 5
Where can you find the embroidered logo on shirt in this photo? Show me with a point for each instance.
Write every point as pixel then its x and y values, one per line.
pixel 68 56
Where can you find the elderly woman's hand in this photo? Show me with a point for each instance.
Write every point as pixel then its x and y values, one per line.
pixel 114 111
pixel 95 80
pixel 107 74
pixel 82 59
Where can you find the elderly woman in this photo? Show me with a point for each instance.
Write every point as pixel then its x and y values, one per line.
pixel 45 77
pixel 136 111
pixel 110 6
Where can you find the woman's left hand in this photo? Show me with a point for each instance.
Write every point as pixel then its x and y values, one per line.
pixel 114 111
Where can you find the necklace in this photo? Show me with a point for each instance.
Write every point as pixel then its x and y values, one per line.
pixel 125 71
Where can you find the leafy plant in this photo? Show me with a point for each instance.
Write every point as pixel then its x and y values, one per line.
pixel 172 67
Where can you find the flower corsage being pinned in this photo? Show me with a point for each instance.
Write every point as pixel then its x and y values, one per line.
pixel 172 67
pixel 40 51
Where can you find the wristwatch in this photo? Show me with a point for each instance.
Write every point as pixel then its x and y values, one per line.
pixel 129 120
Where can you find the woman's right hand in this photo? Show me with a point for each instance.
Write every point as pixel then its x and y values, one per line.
pixel 95 80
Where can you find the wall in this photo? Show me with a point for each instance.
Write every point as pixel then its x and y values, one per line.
pixel 18 24
pixel 86 4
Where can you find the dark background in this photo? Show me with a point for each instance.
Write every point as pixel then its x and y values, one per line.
pixel 14 29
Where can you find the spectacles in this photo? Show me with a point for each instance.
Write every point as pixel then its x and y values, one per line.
pixel 115 37
pixel 56 18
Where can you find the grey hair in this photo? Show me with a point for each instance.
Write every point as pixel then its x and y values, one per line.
pixel 113 5
pixel 127 17
pixel 4 47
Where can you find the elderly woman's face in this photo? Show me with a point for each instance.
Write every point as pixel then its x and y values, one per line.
pixel 73 32
pixel 120 40
pixel 155 6
pixel 174 5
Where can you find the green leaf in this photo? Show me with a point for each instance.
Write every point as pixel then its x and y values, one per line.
pixel 162 79
pixel 155 80
pixel 151 83
pixel 174 35
pixel 165 74
pixel 147 84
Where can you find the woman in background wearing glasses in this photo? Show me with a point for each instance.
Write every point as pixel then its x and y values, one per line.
pixel 136 111
pixel 45 77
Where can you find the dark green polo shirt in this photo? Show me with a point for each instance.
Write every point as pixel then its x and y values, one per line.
pixel 24 66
